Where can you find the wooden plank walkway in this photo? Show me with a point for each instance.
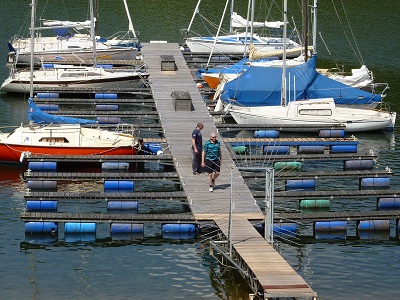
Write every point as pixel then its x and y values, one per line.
pixel 40 195
pixel 178 126
pixel 331 194
pixel 291 141
pixel 302 157
pixel 173 176
pixel 162 176
pixel 97 217
pixel 340 215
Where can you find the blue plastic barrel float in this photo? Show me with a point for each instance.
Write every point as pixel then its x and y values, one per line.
pixel 42 184
pixel 152 148
pixel 118 185
pixel 374 182
pixel 115 166
pixel 42 166
pixel 300 184
pixel 266 133
pixel 108 120
pixel 307 149
pixel 178 228
pixel 36 227
pixel 285 229
pixel 105 96
pixel 344 149
pixel 321 203
pixel 358 164
pixel 323 226
pixel 373 225
pixel 240 150
pixel 47 107
pixel 122 205
pixel 108 107
pixel 331 133
pixel 46 95
pixel 288 165
pixel 41 205
pixel 126 228
pixel 270 149
pixel 388 203
pixel 79 227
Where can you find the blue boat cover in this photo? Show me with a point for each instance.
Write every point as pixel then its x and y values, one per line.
pixel 262 86
pixel 36 115
pixel 236 68
pixel 61 32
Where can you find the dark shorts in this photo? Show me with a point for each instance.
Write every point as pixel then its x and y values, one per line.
pixel 212 166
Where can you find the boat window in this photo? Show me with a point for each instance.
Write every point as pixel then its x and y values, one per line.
pixel 53 140
pixel 315 112
pixel 74 47
pixel 71 74
pixel 242 39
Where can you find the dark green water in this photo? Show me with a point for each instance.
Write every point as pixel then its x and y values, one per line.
pixel 153 268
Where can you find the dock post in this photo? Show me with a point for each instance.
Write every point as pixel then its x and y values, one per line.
pixel 269 205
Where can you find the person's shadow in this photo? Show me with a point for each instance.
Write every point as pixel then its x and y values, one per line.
pixel 222 186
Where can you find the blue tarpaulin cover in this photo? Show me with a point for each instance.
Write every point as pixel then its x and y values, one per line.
pixel 36 115
pixel 262 86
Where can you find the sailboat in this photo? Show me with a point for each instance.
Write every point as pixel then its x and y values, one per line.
pixel 73 42
pixel 303 112
pixel 239 42
pixel 71 76
pixel 62 139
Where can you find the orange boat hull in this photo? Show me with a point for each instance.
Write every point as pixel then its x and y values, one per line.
pixel 212 81
pixel 12 153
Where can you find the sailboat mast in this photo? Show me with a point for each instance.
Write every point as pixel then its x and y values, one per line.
pixel 305 28
pixel 131 29
pixel 283 96
pixel 230 20
pixel 33 16
pixel 92 33
pixel 194 14
pixel 216 37
pixel 315 26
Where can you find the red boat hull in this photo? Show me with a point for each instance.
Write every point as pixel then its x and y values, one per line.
pixel 12 153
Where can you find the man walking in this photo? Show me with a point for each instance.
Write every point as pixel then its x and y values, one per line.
pixel 197 146
pixel 211 159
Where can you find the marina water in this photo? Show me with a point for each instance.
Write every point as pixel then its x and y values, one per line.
pixel 157 268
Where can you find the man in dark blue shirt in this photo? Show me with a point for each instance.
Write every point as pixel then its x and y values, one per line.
pixel 197 146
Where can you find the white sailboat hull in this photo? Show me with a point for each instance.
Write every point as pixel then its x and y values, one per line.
pixel 313 112
pixel 236 44
pixel 73 77
pixel 122 53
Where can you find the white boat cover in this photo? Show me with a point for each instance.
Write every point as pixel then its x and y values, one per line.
pixel 77 25
pixel 240 22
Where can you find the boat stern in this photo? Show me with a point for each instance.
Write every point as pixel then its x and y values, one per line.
pixel 392 122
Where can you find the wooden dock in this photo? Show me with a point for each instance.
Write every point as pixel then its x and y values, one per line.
pixel 273 275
